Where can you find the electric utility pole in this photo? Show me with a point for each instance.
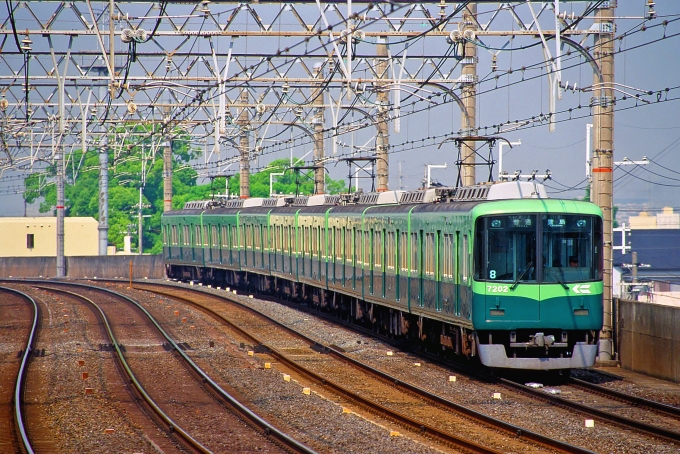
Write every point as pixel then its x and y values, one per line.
pixel 603 144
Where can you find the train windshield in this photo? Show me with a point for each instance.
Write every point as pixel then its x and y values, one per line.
pixel 571 248
pixel 529 248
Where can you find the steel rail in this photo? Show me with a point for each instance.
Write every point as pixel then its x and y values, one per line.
pixel 173 426
pixel 591 411
pixel 496 423
pixel 19 386
pixel 250 415
pixel 634 400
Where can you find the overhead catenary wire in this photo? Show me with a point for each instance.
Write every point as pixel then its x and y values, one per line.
pixel 428 107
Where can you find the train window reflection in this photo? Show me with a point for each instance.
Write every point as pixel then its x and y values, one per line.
pixel 570 248
pixel 509 253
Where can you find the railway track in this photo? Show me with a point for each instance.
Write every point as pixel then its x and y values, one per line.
pixel 313 351
pixel 199 389
pixel 19 317
pixel 371 396
pixel 634 414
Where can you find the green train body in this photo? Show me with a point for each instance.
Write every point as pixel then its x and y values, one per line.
pixel 480 271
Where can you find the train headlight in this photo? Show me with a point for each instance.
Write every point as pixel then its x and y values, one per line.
pixel 496 223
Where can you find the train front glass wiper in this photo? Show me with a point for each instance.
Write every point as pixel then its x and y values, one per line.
pixel 557 278
pixel 521 275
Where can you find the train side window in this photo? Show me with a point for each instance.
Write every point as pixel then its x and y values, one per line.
pixel 315 238
pixel 359 243
pixel 377 248
pixel 413 262
pixel 429 254
pixel 403 251
pixel 305 240
pixel 464 258
pixel 367 247
pixel 213 237
pixel 204 239
pixel 447 256
pixel 286 239
pixel 268 232
pixel 390 247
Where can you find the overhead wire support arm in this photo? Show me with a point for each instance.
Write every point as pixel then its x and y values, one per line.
pixel 463 160
pixel 361 168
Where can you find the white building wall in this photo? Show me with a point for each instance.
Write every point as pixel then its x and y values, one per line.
pixel 81 237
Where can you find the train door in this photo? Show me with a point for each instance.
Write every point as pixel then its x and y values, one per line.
pixel 457 281
pixel 416 269
pixel 465 297
pixel 438 271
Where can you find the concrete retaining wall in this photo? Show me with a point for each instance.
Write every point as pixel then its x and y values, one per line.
pixel 150 266
pixel 649 339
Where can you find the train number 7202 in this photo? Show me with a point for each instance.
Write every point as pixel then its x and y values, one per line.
pixel 497 289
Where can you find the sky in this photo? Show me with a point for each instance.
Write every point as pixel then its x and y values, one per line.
pixel 649 130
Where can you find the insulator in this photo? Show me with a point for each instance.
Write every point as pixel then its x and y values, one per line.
pixel 140 35
pixel 127 35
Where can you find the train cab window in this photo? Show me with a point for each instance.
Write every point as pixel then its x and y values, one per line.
pixel 571 248
pixel 506 248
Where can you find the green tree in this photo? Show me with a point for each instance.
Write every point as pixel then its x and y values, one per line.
pixel 125 177
pixel 81 189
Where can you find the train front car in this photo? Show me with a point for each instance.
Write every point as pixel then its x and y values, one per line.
pixel 537 290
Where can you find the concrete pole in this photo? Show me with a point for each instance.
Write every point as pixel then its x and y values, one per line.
pixel 382 141
pixel 469 95
pixel 59 162
pixel 167 174
pixel 139 223
pixel 635 266
pixel 319 119
pixel 103 196
pixel 244 147
pixel 603 144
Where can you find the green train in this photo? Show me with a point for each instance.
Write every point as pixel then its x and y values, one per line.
pixel 498 271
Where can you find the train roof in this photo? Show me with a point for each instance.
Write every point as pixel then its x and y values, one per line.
pixel 427 200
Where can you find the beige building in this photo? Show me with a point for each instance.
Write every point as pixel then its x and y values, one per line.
pixel 664 220
pixel 37 237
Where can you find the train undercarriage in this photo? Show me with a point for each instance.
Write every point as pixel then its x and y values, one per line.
pixel 419 332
